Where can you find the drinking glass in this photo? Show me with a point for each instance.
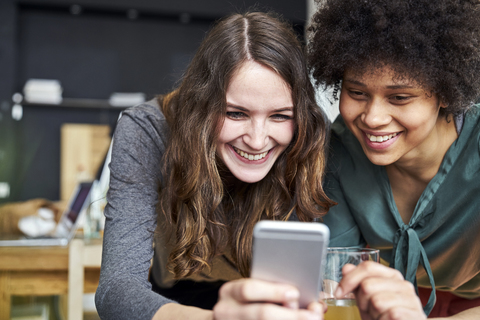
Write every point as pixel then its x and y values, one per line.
pixel 346 307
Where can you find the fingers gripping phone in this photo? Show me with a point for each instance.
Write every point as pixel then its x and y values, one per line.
pixel 291 252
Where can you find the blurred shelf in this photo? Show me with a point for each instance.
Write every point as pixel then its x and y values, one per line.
pixel 77 103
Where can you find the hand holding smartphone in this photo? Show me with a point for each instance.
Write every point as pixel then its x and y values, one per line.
pixel 291 252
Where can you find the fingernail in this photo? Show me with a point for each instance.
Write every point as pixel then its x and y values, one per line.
pixel 292 305
pixel 292 295
pixel 339 292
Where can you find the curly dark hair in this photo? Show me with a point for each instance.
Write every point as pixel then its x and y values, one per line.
pixel 434 43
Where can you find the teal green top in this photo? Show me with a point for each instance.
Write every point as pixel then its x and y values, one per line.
pixel 440 246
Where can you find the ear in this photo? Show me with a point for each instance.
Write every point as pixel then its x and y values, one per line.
pixel 442 104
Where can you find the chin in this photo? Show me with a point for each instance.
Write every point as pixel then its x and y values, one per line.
pixel 254 178
pixel 250 180
pixel 380 161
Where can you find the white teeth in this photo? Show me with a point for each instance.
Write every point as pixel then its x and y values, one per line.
pixel 250 156
pixel 380 138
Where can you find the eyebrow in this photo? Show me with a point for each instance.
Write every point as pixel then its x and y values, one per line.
pixel 355 82
pixel 236 107
pixel 245 109
pixel 284 109
pixel 397 86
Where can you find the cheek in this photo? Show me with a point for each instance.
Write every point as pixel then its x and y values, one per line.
pixel 221 136
pixel 347 107
pixel 349 114
pixel 412 123
pixel 228 132
pixel 414 120
pixel 284 133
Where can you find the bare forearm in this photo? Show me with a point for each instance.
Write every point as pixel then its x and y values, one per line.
pixel 173 311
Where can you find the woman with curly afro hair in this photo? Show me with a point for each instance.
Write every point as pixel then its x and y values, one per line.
pixel 404 163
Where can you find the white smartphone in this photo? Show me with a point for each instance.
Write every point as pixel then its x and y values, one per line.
pixel 291 252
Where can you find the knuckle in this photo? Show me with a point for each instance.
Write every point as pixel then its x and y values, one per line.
pixel 245 290
pixel 409 286
pixel 396 313
pixel 376 302
pixel 221 311
pixel 224 290
pixel 369 265
pixel 367 286
pixel 397 274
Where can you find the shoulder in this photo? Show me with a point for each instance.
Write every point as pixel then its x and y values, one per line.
pixel 348 168
pixel 139 142
pixel 141 123
pixel 147 109
pixel 146 115
pixel 471 128
pixel 473 115
pixel 344 149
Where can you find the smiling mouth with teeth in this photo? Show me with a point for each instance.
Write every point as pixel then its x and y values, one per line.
pixel 380 138
pixel 250 156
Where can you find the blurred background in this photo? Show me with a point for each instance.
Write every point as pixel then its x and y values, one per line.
pixel 91 49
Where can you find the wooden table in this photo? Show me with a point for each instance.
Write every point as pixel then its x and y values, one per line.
pixel 40 271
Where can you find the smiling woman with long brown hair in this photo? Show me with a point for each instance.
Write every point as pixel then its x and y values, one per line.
pixel 240 140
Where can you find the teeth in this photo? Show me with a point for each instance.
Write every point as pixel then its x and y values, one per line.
pixel 250 156
pixel 380 138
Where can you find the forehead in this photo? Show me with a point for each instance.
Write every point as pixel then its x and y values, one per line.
pixel 384 75
pixel 255 80
pixel 250 68
pixel 258 89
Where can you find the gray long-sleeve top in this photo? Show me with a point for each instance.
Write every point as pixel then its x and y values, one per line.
pixel 124 291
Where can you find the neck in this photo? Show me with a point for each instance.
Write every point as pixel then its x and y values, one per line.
pixel 409 178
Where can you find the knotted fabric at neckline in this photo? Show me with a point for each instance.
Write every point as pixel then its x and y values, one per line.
pixel 407 261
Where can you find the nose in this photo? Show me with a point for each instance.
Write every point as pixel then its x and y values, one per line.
pixel 376 114
pixel 256 135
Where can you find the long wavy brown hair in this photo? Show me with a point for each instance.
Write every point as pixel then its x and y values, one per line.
pixel 207 214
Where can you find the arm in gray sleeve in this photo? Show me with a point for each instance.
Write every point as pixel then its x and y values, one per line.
pixel 138 146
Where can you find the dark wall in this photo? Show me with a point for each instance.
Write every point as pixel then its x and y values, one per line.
pixel 97 47
pixel 95 54
pixel 94 48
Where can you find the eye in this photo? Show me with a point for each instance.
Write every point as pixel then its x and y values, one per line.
pixel 281 117
pixel 236 115
pixel 355 94
pixel 398 99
